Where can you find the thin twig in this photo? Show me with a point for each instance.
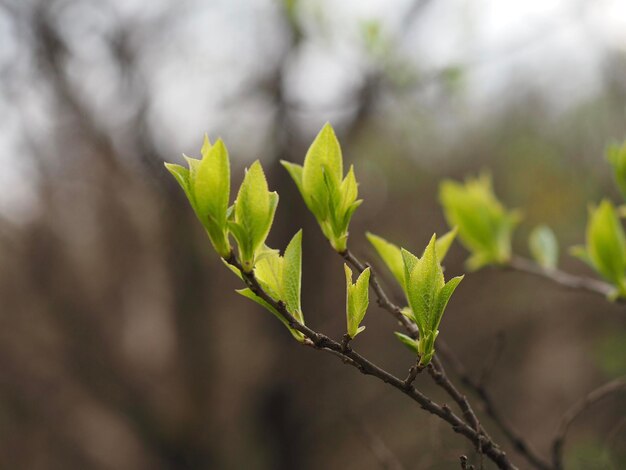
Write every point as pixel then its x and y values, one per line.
pixel 413 372
pixel 465 463
pixel 518 442
pixel 354 359
pixel 562 278
pixel 436 369
pixel 579 407
pixel 396 311
pixel 345 342
pixel 515 438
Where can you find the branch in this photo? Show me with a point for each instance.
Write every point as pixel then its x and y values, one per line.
pixel 352 358
pixel 514 437
pixel 442 379
pixel 577 409
pixel 562 278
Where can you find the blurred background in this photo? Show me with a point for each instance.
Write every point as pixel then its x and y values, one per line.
pixel 122 343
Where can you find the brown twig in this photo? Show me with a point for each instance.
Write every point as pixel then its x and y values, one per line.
pixel 440 377
pixel 345 342
pixel 414 370
pixel 384 302
pixel 514 437
pixel 465 463
pixel 578 408
pixel 562 278
pixel 354 359
pixel 518 442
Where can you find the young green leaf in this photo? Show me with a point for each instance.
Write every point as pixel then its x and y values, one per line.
pixel 409 342
pixel 484 225
pixel 605 247
pixel 211 185
pixel 443 244
pixel 323 156
pixel 390 254
pixel 331 199
pixel 428 295
pixel 252 296
pixel 544 247
pixel 280 277
pixel 292 276
pixel 357 300
pixel 295 171
pixel 269 270
pixel 253 215
pixel 206 184
pixel 424 283
pixel 616 155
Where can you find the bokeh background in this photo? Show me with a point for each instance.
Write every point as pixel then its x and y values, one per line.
pixel 122 343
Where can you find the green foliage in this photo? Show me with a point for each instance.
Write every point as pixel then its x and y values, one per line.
pixel 281 278
pixel 485 226
pixel 544 247
pixel 428 295
pixel 253 214
pixel 392 254
pixel 328 195
pixel 207 186
pixel 616 155
pixel 605 249
pixel 357 300
pixel 409 342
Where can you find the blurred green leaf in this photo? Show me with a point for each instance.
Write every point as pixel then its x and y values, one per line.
pixel 485 226
pixel 409 342
pixel 605 248
pixel 544 247
pixel 444 243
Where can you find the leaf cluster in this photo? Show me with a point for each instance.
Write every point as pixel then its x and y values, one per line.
pixel 605 246
pixel 281 277
pixel 331 197
pixel 485 225
pixel 424 286
pixel 206 183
